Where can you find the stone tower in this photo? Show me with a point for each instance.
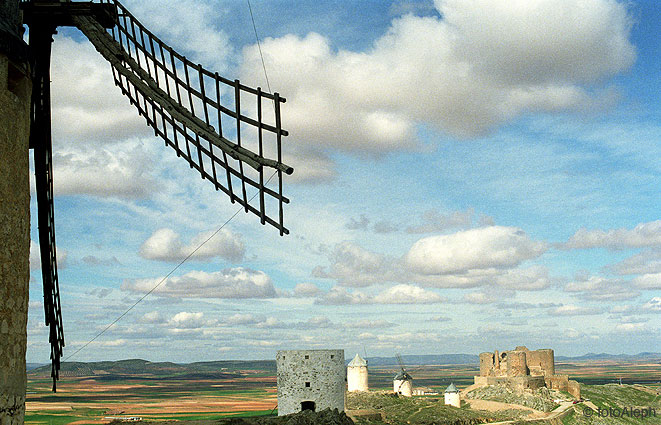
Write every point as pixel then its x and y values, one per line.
pixel 15 92
pixel 310 380
pixel 357 375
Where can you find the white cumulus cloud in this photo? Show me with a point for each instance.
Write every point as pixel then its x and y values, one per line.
pixel 643 235
pixel 476 66
pixel 481 248
pixel 236 282
pixel 165 245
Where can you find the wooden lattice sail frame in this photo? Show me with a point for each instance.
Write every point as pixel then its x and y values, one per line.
pixel 185 104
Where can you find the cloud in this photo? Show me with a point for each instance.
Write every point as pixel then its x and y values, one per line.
pixel 632 327
pixel 384 227
pixel 642 236
pixel 573 310
pixel 647 261
pixel 369 324
pixel 434 221
pixel 340 296
pixel 598 288
pixel 488 296
pixel 398 294
pixel 189 26
pixel 354 266
pixel 92 260
pixel 241 319
pixel 123 171
pixel 407 294
pixel 92 109
pixel 165 245
pixel 186 320
pixel 481 248
pixel 306 290
pixel 479 65
pixel 647 281
pixel 233 283
pixel 358 224
pixel 653 305
pixel 153 317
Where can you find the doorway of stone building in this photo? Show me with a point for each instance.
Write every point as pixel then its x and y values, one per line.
pixel 307 405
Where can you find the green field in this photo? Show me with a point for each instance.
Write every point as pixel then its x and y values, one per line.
pixel 215 390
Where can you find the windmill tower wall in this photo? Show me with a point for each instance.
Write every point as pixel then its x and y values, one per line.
pixel 403 387
pixel 357 379
pixel 312 379
pixel 15 90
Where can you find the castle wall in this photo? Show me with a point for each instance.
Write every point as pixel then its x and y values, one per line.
pixel 15 91
pixel 486 364
pixel 516 364
pixel 557 382
pixel 310 376
pixel 574 388
pixel 357 379
pixel 541 362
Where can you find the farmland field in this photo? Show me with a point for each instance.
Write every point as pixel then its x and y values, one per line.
pixel 91 393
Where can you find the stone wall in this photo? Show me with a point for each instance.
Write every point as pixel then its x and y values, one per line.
pixel 14 238
pixel 310 376
pixel 516 364
pixel 557 382
pixel 574 388
pixel 541 362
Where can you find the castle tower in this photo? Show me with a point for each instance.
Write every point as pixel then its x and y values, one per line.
pixel 452 396
pixel 15 92
pixel 310 380
pixel 357 375
pixel 402 384
pixel 516 364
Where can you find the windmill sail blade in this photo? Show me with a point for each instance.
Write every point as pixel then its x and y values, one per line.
pixel 40 141
pixel 184 104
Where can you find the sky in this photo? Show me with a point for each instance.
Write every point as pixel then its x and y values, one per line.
pixel 469 176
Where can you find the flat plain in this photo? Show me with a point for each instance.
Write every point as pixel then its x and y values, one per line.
pixel 94 393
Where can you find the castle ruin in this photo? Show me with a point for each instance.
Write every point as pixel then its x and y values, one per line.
pixel 522 369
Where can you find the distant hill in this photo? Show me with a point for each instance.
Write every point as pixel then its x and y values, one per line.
pixel 640 357
pixel 234 368
pixel 30 366
pixel 144 368
pixel 416 360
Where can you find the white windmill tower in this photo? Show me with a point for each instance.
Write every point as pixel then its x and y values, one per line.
pixel 357 375
pixel 452 396
pixel 402 383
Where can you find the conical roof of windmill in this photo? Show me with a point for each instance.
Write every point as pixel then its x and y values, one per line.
pixel 358 362
pixel 402 376
pixel 451 389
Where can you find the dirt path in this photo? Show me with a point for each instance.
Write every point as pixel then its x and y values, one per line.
pixel 494 406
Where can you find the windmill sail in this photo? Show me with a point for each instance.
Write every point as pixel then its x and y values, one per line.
pixel 183 103
pixel 41 142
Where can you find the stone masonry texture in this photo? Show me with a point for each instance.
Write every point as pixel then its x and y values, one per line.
pixel 14 238
pixel 317 376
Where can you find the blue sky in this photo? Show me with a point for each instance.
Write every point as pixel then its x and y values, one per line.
pixel 469 176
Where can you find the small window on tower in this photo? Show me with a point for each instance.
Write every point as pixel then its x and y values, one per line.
pixel 332 356
pixel 307 385
pixel 307 357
